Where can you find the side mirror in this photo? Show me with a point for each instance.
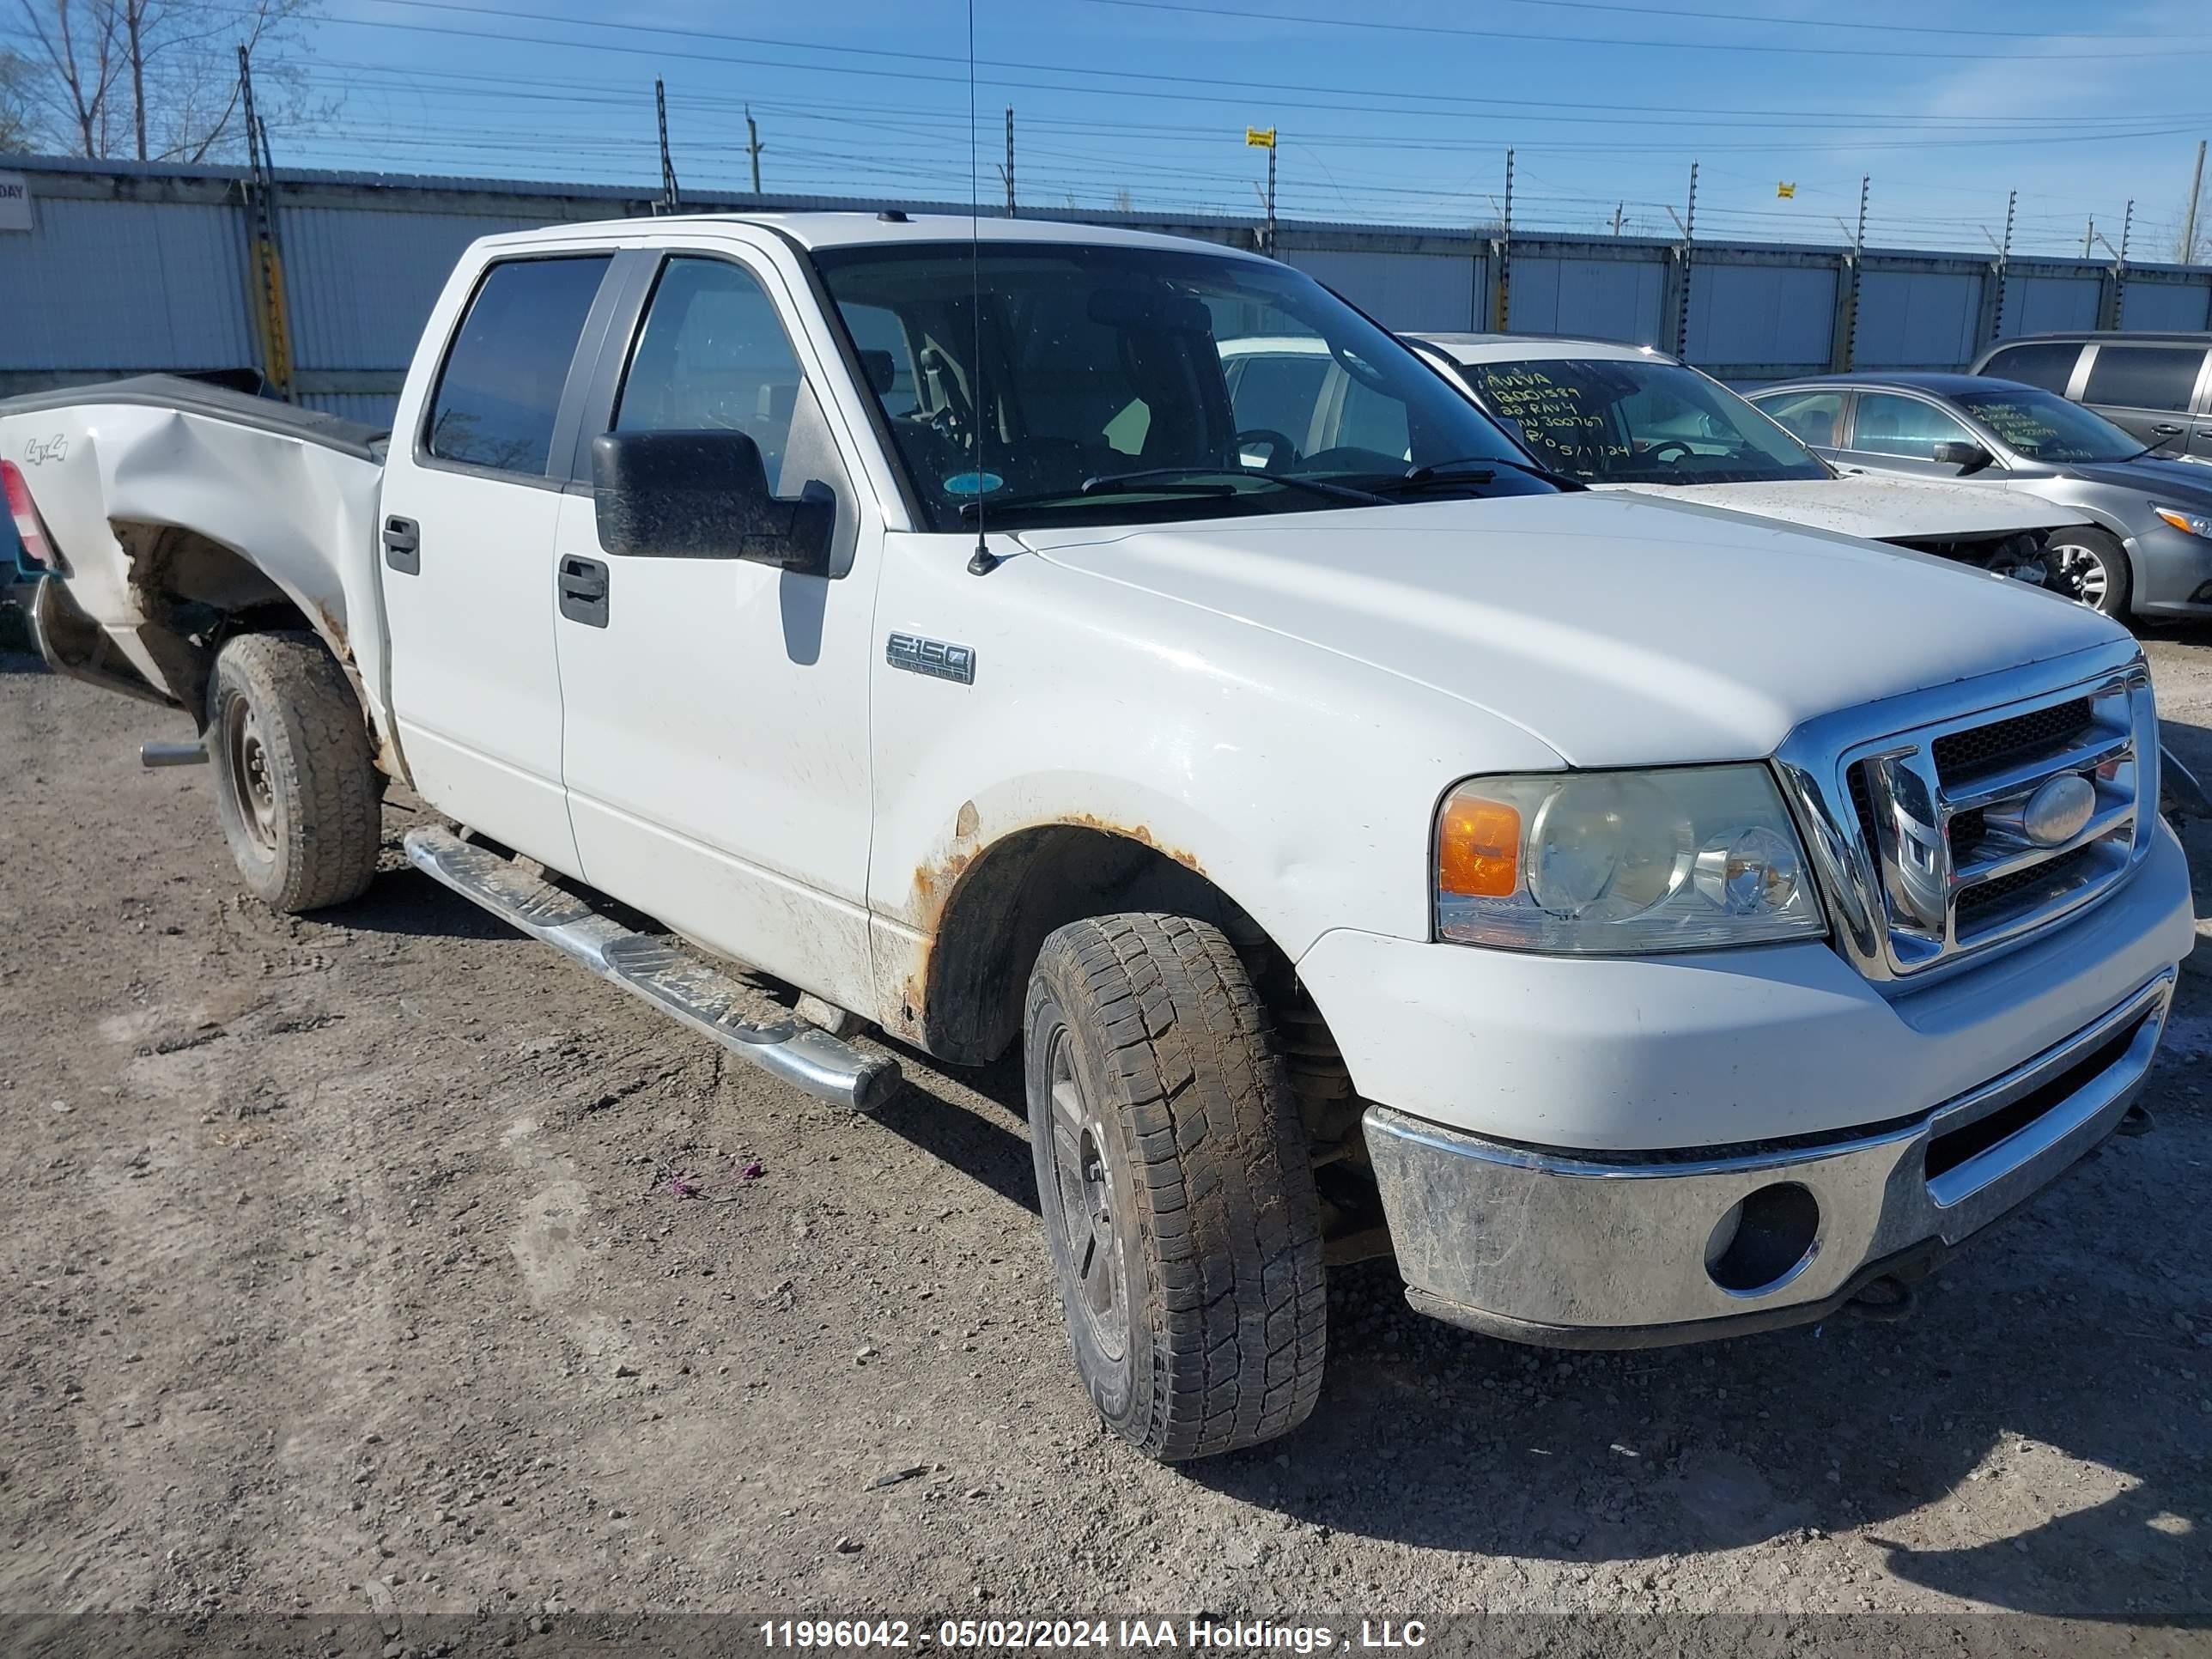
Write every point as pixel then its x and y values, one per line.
pixel 1966 457
pixel 704 496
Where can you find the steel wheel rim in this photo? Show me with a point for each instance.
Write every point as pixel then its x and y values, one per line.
pixel 2082 569
pixel 1087 1216
pixel 247 756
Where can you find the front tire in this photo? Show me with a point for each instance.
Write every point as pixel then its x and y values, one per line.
pixel 2093 567
pixel 297 784
pixel 1172 1172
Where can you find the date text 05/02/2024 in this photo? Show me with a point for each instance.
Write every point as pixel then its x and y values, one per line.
pixel 1241 1635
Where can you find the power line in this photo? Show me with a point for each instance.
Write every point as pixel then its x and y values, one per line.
pixel 2068 55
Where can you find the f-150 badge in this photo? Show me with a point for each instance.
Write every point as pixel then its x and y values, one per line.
pixel 934 657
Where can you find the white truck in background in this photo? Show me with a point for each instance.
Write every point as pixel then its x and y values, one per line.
pixel 1647 922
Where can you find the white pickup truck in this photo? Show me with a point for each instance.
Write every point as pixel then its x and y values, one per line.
pixel 1649 923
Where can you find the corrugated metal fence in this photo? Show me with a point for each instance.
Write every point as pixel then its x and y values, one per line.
pixel 131 268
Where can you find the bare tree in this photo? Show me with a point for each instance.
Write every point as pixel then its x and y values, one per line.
pixel 14 104
pixel 157 80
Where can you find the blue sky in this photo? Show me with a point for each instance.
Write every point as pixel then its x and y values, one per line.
pixel 1392 111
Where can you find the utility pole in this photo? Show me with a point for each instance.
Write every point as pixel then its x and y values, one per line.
pixel 1618 209
pixel 1008 170
pixel 753 146
pixel 267 293
pixel 1503 310
pixel 671 198
pixel 2089 238
pixel 2189 223
pixel 2127 228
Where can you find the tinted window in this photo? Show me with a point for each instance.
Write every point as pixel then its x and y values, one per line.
pixel 2143 377
pixel 1056 383
pixel 712 354
pixel 1890 425
pixel 1815 416
pixel 500 386
pixel 2051 366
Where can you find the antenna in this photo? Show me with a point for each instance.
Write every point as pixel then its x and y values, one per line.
pixel 982 561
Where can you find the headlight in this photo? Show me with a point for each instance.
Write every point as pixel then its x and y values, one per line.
pixel 1622 863
pixel 2189 523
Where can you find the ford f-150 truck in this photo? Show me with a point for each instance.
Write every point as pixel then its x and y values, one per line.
pixel 1647 922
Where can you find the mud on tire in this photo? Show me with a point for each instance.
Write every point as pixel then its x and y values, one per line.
pixel 1172 1172
pixel 297 784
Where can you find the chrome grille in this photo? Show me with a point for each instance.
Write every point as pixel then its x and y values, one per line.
pixel 1921 832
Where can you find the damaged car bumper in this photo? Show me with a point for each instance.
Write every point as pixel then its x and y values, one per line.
pixel 1572 1249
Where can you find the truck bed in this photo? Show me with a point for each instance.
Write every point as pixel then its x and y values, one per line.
pixel 179 392
pixel 170 501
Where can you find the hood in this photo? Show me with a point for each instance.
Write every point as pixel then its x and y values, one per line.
pixel 1618 629
pixel 2183 484
pixel 1880 509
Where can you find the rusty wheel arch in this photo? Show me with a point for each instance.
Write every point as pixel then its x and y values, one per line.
pixel 990 911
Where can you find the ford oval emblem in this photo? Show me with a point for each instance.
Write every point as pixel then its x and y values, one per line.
pixel 2057 810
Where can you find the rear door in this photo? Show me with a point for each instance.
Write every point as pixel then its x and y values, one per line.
pixel 2148 389
pixel 466 533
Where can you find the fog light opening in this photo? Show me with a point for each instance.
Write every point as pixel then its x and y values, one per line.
pixel 1763 1239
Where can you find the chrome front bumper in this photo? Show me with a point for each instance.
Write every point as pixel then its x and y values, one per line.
pixel 1567 1250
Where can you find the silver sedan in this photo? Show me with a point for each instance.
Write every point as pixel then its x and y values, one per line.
pixel 2149 551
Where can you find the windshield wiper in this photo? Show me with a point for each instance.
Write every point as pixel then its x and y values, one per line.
pixel 1170 481
pixel 1478 470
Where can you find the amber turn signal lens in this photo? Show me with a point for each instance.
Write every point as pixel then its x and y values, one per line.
pixel 1479 849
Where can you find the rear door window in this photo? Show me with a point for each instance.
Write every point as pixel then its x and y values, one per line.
pixel 500 390
pixel 2047 365
pixel 2143 377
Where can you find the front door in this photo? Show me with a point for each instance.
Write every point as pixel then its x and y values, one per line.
pixel 716 747
pixel 1893 432
pixel 466 533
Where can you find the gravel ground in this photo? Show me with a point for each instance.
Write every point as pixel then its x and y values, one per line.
pixel 340 1275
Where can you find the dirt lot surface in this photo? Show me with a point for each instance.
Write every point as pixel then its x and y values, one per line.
pixel 340 1273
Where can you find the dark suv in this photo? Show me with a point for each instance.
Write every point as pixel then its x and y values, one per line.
pixel 2154 385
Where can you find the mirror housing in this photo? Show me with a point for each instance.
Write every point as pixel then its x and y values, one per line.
pixel 704 496
pixel 1957 452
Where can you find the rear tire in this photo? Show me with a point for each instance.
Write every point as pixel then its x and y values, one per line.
pixel 297 784
pixel 2092 568
pixel 1173 1176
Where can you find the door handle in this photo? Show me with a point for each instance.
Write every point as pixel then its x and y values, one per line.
pixel 403 546
pixel 2168 431
pixel 583 585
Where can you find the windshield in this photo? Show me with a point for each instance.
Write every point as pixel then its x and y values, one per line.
pixel 1607 420
pixel 2044 427
pixel 1135 382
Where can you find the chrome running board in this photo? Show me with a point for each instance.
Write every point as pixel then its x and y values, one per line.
pixel 653 967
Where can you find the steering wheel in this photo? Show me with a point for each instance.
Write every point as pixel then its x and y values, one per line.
pixel 1282 452
pixel 1658 451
